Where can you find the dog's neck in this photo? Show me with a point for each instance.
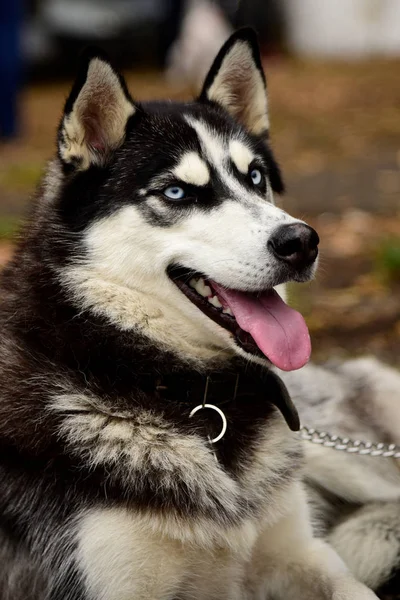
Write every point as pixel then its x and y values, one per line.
pixel 101 327
pixel 239 382
pixel 164 324
pixel 110 345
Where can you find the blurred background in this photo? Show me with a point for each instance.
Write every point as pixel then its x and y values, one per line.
pixel 333 76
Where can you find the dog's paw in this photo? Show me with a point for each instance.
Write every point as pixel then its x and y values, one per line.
pixel 353 591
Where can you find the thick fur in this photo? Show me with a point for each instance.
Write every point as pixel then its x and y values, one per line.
pixel 108 491
pixel 355 499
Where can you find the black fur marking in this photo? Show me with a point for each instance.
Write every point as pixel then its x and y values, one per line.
pixel 391 588
pixel 274 172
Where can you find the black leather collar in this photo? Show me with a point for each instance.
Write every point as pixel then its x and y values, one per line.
pixel 244 383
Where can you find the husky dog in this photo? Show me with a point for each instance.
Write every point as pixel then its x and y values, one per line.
pixel 138 319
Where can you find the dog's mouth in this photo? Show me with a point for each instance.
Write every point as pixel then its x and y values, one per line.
pixel 261 323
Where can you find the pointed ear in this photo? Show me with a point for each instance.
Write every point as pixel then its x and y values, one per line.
pixel 236 82
pixel 95 114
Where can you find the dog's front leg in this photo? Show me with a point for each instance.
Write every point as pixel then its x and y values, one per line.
pixel 122 558
pixel 289 563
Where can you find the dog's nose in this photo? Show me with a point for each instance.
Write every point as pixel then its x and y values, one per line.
pixel 296 244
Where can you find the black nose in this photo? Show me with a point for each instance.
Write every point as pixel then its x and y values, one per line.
pixel 296 244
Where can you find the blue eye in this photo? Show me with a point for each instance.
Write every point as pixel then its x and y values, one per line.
pixel 174 192
pixel 256 176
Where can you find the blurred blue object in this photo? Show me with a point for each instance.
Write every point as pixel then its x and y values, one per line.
pixel 10 21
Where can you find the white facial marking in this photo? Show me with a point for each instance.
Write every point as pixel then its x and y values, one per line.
pixel 241 155
pixel 215 147
pixel 192 169
pixel 158 205
pixel 212 144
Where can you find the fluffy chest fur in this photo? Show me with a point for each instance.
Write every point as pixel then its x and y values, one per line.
pixel 168 468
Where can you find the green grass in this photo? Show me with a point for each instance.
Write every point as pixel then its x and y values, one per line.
pixel 8 227
pixel 387 260
pixel 20 177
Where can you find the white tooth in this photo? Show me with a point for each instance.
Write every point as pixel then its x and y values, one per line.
pixel 228 311
pixel 202 289
pixel 215 302
pixel 197 285
pixel 193 283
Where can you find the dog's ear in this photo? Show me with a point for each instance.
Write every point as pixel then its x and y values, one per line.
pixel 236 81
pixel 95 114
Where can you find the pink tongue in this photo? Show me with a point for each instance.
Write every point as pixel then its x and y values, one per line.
pixel 279 331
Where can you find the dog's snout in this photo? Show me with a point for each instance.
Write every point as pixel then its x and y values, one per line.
pixel 296 244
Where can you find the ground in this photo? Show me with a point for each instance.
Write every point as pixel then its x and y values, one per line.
pixel 336 132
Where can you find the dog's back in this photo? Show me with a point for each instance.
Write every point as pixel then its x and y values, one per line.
pixel 355 498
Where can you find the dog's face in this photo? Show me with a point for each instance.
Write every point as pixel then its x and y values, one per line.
pixel 175 202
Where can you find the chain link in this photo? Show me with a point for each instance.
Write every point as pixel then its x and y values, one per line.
pixel 348 445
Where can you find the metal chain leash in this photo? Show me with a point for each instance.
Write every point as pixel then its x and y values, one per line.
pixel 323 438
pixel 348 445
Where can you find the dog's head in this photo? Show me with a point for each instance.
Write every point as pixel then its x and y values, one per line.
pixel 171 206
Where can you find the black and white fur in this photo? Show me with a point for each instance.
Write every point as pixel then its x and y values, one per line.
pixel 107 491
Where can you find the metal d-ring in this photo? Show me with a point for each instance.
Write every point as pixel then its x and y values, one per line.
pixel 221 414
